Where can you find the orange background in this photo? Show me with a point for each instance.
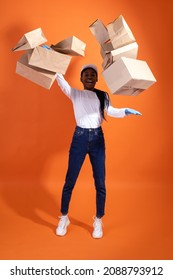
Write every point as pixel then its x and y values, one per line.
pixel 36 129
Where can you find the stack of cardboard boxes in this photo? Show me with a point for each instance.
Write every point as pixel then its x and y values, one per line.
pixel 122 71
pixel 39 64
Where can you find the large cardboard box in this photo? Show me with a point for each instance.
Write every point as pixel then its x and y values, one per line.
pixel 37 75
pixel 30 40
pixel 49 60
pixel 128 76
pixel 71 46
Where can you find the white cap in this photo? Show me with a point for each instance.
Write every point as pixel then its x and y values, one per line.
pixel 89 66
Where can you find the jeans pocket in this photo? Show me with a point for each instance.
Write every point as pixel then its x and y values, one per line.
pixel 78 133
pixel 99 133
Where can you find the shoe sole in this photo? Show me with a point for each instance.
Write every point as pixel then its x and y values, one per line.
pixel 97 237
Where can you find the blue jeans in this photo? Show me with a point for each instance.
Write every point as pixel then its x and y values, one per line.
pixel 86 141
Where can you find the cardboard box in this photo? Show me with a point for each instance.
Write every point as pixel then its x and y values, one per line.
pixel 71 46
pixel 37 75
pixel 119 33
pixel 107 47
pixel 100 31
pixel 130 50
pixel 128 76
pixel 30 40
pixel 49 60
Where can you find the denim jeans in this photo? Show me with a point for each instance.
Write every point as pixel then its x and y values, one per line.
pixel 86 141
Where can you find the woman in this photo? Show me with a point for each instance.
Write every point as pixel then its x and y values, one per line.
pixel 89 105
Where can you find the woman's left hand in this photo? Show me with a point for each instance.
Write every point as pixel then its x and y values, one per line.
pixel 132 112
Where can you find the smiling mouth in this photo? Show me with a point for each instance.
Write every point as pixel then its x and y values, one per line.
pixel 89 85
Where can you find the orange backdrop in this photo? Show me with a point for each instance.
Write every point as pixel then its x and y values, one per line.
pixel 36 129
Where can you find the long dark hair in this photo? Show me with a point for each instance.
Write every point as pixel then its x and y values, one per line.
pixel 104 100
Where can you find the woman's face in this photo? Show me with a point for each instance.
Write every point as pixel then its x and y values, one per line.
pixel 89 78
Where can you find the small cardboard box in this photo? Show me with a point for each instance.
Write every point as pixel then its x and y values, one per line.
pixel 37 75
pixel 49 60
pixel 30 40
pixel 128 76
pixel 100 31
pixel 130 50
pixel 71 46
pixel 119 32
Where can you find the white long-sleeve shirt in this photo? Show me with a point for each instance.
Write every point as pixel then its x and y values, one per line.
pixel 86 105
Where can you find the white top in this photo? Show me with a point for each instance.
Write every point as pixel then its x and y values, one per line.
pixel 86 105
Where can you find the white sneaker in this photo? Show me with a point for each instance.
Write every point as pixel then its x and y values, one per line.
pixel 97 232
pixel 61 229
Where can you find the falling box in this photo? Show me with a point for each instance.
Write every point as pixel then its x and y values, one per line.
pixel 128 76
